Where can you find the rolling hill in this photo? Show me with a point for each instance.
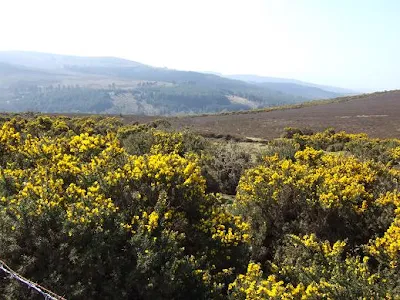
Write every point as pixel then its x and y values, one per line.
pixel 31 81
pixel 38 60
pixel 376 114
pixel 308 92
pixel 264 79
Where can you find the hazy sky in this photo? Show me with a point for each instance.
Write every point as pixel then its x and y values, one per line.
pixel 348 43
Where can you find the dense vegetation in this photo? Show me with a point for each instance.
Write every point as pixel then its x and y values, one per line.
pixel 67 99
pixel 57 83
pixel 147 97
pixel 95 210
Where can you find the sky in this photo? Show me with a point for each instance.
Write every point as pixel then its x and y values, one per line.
pixel 348 43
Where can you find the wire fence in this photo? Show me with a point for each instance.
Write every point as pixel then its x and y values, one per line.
pixel 47 294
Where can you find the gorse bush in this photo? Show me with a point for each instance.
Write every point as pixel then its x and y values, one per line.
pixel 91 221
pixel 359 145
pixel 352 205
pixel 290 132
pixel 142 139
pixel 223 164
pixel 93 209
pixel 284 148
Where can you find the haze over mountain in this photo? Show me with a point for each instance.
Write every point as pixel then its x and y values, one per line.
pixel 61 83
pixel 50 61
pixel 264 79
pixel 351 44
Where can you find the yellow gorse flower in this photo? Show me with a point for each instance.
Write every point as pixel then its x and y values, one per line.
pixel 333 180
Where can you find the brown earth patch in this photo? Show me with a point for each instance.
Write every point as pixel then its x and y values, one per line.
pixel 377 114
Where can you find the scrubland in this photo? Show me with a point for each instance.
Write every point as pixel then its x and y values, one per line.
pixel 95 209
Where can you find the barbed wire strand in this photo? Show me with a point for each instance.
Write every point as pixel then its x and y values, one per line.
pixel 47 294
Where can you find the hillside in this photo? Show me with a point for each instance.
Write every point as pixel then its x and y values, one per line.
pixel 375 114
pixel 50 61
pixel 265 79
pixel 51 83
pixel 308 92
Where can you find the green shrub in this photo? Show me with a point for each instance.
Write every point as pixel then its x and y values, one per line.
pixel 290 132
pixel 373 149
pixel 331 195
pixel 285 148
pixel 141 139
pixel 222 167
pixel 81 216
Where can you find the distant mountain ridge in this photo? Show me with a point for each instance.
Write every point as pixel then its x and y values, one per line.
pixel 305 91
pixel 48 82
pixel 39 60
pixel 263 79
